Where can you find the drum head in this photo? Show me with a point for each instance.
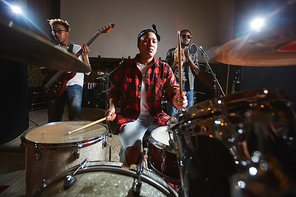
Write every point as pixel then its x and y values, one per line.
pixel 58 132
pixel 161 135
pixel 107 180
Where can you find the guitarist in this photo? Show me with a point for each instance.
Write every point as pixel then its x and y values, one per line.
pixel 74 88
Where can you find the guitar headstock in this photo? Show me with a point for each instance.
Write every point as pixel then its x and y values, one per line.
pixel 102 30
pixel 107 28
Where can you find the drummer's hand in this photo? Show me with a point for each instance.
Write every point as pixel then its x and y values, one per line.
pixel 110 114
pixel 85 49
pixel 180 100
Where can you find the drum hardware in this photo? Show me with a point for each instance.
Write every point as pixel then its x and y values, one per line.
pixel 235 81
pixel 163 164
pixel 70 179
pixel 256 129
pixel 55 149
pixel 145 158
pixel 217 85
pixel 162 157
pixel 109 179
pixel 137 184
pixel 37 155
pixel 43 183
pixel 76 153
pixel 104 144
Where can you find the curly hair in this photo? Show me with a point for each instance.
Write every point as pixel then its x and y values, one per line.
pixel 52 22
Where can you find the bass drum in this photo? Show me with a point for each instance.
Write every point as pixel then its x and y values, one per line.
pixel 239 145
pixel 50 150
pixel 107 179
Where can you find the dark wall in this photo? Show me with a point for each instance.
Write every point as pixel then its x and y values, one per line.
pixel 282 77
pixel 14 99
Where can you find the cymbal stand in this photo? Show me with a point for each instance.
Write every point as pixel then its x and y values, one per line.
pixel 209 69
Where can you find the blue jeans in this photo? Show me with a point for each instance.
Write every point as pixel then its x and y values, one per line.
pixel 172 111
pixel 72 96
pixel 133 133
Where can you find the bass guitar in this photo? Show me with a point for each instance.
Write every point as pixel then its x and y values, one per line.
pixel 55 82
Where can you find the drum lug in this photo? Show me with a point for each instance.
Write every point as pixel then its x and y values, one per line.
pixel 22 145
pixel 77 153
pixel 43 183
pixel 104 144
pixel 37 154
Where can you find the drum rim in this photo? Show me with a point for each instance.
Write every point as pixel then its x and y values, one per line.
pixel 49 146
pixel 159 144
pixel 165 189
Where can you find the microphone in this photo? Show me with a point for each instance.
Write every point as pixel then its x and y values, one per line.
pixel 201 49
pixel 203 52
pixel 193 49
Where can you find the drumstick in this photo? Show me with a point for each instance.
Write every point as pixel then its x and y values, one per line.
pixel 180 63
pixel 88 125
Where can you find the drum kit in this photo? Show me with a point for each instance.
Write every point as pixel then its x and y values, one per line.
pixel 241 144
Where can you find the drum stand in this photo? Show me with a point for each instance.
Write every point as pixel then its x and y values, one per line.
pixel 217 86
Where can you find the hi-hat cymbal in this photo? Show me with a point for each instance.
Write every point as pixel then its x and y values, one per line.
pixel 20 45
pixel 275 45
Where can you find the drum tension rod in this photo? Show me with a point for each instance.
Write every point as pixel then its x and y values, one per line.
pixel 70 179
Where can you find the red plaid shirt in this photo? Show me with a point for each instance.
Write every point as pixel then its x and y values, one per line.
pixel 126 86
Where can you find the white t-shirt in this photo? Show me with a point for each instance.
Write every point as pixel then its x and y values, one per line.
pixel 79 77
pixel 143 68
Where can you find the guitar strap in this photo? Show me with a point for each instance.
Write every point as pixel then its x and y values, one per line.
pixel 71 48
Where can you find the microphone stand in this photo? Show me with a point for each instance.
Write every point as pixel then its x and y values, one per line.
pixel 217 84
pixel 107 81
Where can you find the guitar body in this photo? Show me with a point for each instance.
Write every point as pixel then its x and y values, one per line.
pixel 55 83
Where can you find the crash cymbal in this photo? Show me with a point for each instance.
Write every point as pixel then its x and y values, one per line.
pixel 18 44
pixel 274 45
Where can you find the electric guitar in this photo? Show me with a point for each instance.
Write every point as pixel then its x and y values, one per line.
pixel 55 82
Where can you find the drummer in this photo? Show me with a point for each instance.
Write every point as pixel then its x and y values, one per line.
pixel 147 76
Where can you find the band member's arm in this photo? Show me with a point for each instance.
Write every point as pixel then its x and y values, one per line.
pixel 193 63
pixel 85 51
pixel 111 112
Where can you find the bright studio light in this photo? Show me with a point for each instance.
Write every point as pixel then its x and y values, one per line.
pixel 257 24
pixel 16 9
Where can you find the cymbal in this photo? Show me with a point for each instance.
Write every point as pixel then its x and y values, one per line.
pixel 275 45
pixel 20 45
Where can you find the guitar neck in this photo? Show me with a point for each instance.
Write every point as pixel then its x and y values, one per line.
pixel 99 32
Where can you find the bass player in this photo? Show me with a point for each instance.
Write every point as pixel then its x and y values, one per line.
pixel 72 94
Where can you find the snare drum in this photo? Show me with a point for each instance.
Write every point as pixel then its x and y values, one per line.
pixel 50 150
pixel 234 143
pixel 162 158
pixel 107 179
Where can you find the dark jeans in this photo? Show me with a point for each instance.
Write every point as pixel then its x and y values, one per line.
pixel 72 96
